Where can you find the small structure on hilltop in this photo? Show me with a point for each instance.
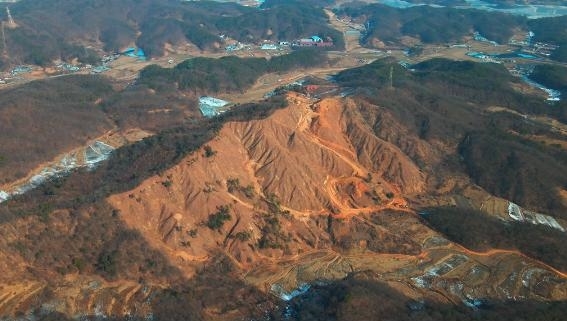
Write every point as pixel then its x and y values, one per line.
pixel 11 23
pixel 211 106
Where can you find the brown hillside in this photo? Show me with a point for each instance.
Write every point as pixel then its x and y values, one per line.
pixel 304 204
pixel 314 192
pixel 42 119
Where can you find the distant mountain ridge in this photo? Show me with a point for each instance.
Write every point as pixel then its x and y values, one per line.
pixel 67 29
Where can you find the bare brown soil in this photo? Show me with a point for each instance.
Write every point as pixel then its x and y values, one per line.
pixel 313 192
pixel 342 219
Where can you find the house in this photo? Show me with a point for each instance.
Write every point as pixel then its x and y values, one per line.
pixel 316 39
pixel 269 46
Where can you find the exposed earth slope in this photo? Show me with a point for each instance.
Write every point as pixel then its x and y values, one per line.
pixel 309 194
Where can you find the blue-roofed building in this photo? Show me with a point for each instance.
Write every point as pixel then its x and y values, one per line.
pixel 141 54
pixel 316 39
pixel 134 53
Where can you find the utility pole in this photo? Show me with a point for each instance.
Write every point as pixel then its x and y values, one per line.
pixel 4 47
pixel 11 22
pixel 391 77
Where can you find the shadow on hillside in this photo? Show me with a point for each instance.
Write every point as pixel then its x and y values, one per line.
pixel 478 231
pixel 130 165
pixel 359 297
pixel 69 227
pixel 362 297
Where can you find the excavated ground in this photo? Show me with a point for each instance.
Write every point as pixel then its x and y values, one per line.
pixel 346 193
pixel 312 193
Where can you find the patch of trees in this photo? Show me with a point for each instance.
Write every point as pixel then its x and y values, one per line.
pixel 281 20
pixel 273 236
pixel 99 244
pixel 552 30
pixel 375 75
pixel 438 80
pixel 481 232
pixel 432 25
pixel 522 171
pixel 41 49
pixel 152 110
pixel 447 100
pixel 233 186
pixel 217 219
pixel 209 152
pixel 53 29
pixel 477 82
pixel 551 76
pixel 226 74
pixel 42 118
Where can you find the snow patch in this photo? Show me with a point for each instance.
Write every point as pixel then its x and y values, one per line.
pixel 421 282
pixel 96 153
pixel 211 106
pixel 516 213
pixel 4 196
pixel 93 155
pixel 286 296
pixel 529 274
pixel 552 94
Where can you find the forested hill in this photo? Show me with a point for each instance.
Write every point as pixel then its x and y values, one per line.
pixel 451 101
pixel 551 76
pixel 552 30
pixel 227 74
pixel 63 29
pixel 432 25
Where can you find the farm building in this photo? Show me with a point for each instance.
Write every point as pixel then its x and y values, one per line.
pixel 134 53
pixel 269 46
pixel 314 41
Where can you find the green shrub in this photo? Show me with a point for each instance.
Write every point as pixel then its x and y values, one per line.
pixel 209 152
pixel 217 219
